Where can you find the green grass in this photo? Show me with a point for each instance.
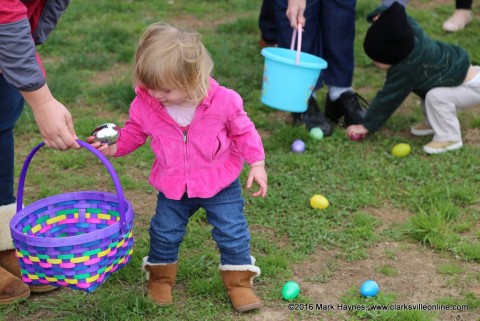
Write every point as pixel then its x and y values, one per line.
pixel 88 62
pixel 450 268
pixel 388 270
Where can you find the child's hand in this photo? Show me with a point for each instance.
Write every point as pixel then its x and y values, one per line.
pixel 353 131
pixel 105 149
pixel 258 173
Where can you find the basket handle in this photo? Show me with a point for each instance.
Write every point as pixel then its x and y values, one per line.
pixel 299 42
pixel 106 163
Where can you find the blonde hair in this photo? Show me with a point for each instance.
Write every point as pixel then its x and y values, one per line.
pixel 170 57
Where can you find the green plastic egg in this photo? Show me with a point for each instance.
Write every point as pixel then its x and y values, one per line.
pixel 316 133
pixel 290 290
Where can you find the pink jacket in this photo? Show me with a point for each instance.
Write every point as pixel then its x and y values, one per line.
pixel 205 158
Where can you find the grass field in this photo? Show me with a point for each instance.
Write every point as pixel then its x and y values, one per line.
pixel 409 223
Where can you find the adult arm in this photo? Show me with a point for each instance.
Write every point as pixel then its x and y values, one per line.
pixel 53 119
pixel 21 68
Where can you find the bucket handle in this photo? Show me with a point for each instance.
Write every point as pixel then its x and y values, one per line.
pixel 106 163
pixel 299 42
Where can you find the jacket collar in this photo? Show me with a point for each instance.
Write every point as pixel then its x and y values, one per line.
pixel 151 101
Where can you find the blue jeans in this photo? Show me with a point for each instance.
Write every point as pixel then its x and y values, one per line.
pixel 11 106
pixel 329 33
pixel 224 212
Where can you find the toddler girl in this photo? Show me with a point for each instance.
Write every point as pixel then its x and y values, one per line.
pixel 200 136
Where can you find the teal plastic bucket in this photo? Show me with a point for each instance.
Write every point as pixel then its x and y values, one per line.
pixel 286 85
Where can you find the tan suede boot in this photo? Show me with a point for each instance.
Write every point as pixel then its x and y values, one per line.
pixel 11 288
pixel 6 214
pixel 9 262
pixel 161 279
pixel 238 280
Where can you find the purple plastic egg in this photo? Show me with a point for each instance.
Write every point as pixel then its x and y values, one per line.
pixel 298 146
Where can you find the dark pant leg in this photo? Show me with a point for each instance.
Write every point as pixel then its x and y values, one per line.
pixel 337 30
pixel 11 106
pixel 267 21
pixel 463 4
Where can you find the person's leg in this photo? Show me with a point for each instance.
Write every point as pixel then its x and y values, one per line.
pixel 11 106
pixel 230 232
pixel 337 34
pixel 463 4
pixel 12 287
pixel 230 229
pixel 442 104
pixel 167 229
pixel 461 17
pixel 423 128
pixel 337 25
pixel 267 24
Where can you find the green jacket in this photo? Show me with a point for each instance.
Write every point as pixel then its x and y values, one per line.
pixel 431 64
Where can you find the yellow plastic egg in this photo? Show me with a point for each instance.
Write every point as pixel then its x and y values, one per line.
pixel 401 150
pixel 319 201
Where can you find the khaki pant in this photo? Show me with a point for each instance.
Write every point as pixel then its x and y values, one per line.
pixel 441 106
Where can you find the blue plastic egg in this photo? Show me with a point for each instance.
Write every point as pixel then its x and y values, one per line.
pixel 369 288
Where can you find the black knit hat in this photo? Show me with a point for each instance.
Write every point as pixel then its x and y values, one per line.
pixel 390 39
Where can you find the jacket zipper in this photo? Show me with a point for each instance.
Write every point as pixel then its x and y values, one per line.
pixel 187 169
pixel 185 132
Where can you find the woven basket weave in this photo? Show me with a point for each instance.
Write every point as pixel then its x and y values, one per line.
pixel 73 240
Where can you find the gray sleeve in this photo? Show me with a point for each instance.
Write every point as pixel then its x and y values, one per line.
pixel 18 60
pixel 384 5
pixel 388 3
pixel 48 21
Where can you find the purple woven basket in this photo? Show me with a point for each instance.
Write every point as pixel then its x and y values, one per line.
pixel 73 240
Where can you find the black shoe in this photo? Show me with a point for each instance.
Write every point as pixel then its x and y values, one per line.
pixel 313 117
pixel 350 105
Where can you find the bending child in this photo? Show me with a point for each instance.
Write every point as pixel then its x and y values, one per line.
pixel 439 73
pixel 201 136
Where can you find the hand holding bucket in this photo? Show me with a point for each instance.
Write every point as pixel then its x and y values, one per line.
pixel 289 76
pixel 299 42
